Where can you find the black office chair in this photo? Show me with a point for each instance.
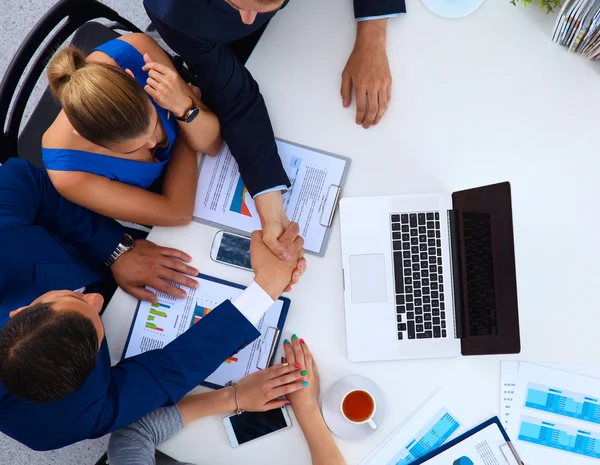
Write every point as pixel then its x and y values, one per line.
pixel 67 17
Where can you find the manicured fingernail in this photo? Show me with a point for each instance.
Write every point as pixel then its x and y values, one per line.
pixel 286 255
pixel 297 365
pixel 304 372
pixel 286 341
pixel 294 337
pixel 296 276
pixel 302 341
pixel 181 294
pixel 288 403
pixel 284 364
pixel 284 360
pixel 305 383
pixel 196 284
pixel 346 102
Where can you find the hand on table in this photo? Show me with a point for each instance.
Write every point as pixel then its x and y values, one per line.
pixel 272 274
pixel 148 264
pixel 259 391
pixel 368 71
pixel 296 352
pixel 167 88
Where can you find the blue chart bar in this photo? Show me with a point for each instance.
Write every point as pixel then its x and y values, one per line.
pixel 561 402
pixel 561 437
pixel 431 437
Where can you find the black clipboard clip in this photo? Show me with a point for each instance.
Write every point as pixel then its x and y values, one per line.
pixel 330 205
pixel 266 350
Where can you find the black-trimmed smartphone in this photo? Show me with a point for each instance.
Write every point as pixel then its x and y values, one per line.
pixel 250 426
pixel 231 249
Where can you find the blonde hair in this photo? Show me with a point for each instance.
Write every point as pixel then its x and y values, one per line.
pixel 102 102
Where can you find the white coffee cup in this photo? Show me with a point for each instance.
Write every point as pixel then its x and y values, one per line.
pixel 368 420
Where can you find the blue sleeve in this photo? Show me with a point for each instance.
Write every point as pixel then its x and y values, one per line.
pixel 368 8
pixel 232 93
pixel 28 197
pixel 159 378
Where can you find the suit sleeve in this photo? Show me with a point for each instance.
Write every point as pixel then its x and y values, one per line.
pixel 160 378
pixel 27 197
pixel 232 93
pixel 371 8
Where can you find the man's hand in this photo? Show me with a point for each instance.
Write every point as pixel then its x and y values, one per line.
pixel 147 264
pixel 368 71
pixel 274 221
pixel 273 274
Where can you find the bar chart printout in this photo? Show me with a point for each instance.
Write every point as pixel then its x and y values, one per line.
pixel 562 402
pixel 561 437
pixel 441 427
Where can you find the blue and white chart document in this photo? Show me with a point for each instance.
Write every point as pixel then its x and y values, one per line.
pixel 555 416
pixel 510 374
pixel 439 421
pixel 222 198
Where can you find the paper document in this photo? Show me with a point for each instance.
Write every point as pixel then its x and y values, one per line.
pixel 510 372
pixel 439 421
pixel 222 197
pixel 486 447
pixel 156 325
pixel 555 416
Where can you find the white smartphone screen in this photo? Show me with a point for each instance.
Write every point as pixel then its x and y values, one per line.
pixel 252 425
pixel 234 250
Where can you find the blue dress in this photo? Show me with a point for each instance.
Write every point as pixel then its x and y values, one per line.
pixel 135 173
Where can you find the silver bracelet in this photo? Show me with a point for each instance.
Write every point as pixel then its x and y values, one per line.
pixel 238 411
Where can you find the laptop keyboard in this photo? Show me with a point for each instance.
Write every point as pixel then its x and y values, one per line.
pixel 418 275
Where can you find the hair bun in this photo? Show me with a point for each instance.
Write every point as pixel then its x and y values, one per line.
pixel 62 67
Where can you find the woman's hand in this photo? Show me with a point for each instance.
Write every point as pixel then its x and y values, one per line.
pixel 167 88
pixel 297 352
pixel 259 391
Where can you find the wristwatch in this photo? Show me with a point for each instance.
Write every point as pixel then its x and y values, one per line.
pixel 125 245
pixel 191 114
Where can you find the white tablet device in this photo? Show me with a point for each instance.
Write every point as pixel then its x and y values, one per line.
pixel 253 425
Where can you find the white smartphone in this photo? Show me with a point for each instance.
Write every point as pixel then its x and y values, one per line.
pixel 231 249
pixel 250 425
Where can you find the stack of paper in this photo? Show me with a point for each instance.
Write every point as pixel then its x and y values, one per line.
pixel 578 27
pixel 552 412
pixel 440 420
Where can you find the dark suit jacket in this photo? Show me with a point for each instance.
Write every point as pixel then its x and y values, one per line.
pixel 49 244
pixel 199 30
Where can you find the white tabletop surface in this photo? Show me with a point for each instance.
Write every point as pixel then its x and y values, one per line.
pixel 478 100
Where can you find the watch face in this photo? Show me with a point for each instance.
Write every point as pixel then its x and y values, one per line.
pixel 194 112
pixel 127 241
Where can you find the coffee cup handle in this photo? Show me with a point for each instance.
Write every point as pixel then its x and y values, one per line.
pixel 372 424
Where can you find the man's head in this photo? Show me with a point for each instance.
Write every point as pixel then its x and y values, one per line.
pixel 248 9
pixel 49 348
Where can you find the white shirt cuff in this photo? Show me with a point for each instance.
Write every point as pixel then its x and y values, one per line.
pixel 282 188
pixel 370 18
pixel 253 303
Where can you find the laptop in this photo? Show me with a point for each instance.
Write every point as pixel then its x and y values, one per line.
pixel 430 275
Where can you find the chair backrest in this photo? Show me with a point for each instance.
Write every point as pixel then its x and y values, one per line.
pixel 72 14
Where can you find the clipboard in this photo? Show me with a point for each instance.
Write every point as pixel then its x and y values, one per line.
pixel 507 449
pixel 329 204
pixel 269 341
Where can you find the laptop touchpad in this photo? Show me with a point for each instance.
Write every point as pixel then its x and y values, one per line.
pixel 367 277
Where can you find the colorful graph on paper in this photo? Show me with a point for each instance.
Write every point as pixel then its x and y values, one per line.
pixel 153 327
pixel 238 204
pixel 562 402
pixel 200 312
pixel 231 360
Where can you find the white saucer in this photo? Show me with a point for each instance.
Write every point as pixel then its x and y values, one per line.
pixel 332 411
pixel 452 8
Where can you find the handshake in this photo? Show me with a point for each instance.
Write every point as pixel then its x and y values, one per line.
pixel 148 264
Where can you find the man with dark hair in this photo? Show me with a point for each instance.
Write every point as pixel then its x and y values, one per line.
pixel 57 386
pixel 215 38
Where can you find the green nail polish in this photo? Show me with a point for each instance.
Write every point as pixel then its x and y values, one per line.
pixel 305 383
pixel 294 337
pixel 286 341
pixel 304 372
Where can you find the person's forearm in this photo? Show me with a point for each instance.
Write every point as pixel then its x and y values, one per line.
pixel 204 133
pixel 204 405
pixel 271 209
pixel 371 31
pixel 181 180
pixel 323 449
